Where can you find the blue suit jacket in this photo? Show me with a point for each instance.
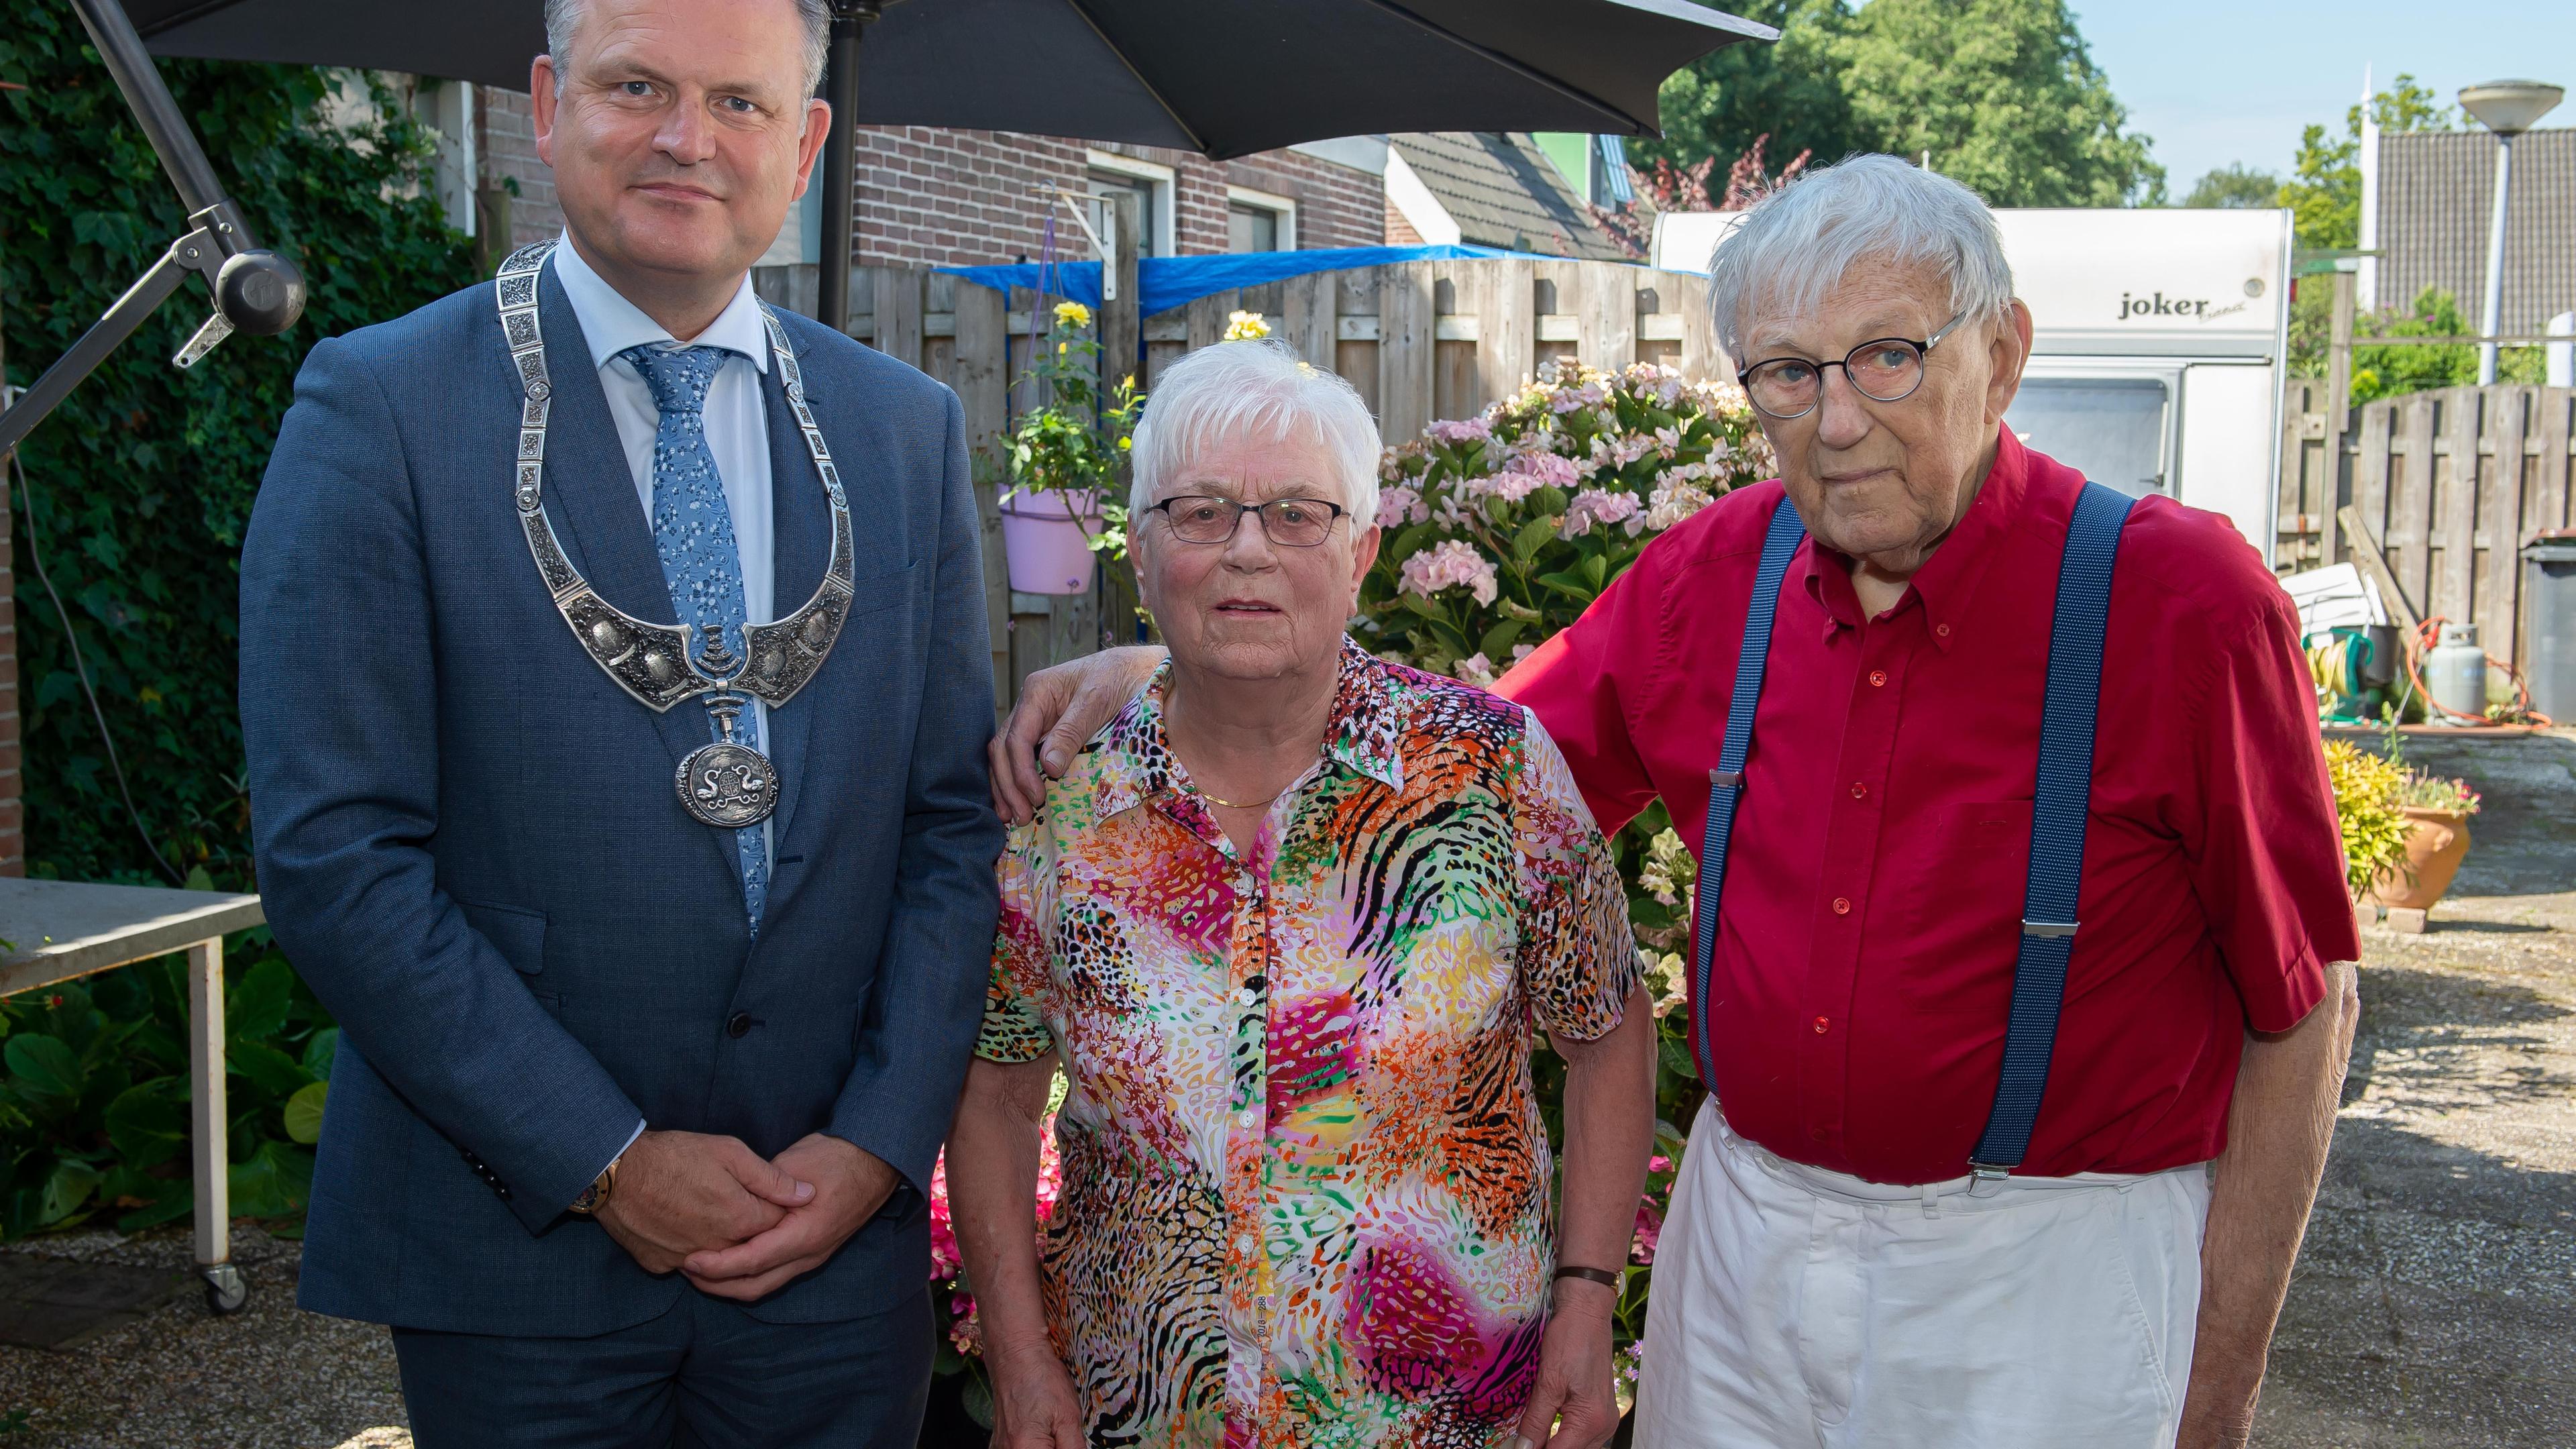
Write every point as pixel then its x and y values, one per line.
pixel 470 845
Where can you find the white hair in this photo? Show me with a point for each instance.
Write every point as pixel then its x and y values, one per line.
pixel 1794 245
pixel 564 16
pixel 1258 388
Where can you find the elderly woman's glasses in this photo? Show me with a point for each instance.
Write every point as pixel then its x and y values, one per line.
pixel 1884 369
pixel 1290 522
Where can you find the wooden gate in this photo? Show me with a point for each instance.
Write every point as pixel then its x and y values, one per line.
pixel 1419 340
pixel 2450 484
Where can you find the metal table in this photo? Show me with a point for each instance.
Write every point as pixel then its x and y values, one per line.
pixel 65 929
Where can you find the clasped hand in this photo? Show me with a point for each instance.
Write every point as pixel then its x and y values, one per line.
pixel 739 1226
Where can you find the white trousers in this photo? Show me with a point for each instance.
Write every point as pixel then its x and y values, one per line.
pixel 1796 1308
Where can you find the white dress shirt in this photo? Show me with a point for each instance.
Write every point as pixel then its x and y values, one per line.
pixel 737 426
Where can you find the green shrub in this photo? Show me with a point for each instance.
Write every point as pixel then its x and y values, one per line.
pixel 2367 790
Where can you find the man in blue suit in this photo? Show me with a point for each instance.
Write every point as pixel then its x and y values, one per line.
pixel 640 1086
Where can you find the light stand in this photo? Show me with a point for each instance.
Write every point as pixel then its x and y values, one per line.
pixel 2507 108
pixel 254 290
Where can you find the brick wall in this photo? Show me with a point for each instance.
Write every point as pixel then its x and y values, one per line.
pixel 932 196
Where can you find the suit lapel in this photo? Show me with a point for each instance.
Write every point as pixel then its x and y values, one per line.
pixel 801 519
pixel 590 494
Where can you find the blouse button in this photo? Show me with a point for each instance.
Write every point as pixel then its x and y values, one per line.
pixel 1878 678
pixel 1859 789
pixel 1842 905
pixel 1941 629
pixel 1822 1023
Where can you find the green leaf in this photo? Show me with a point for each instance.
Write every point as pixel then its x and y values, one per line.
pixel 1570 583
pixel 255 1007
pixel 1676 1059
pixel 1669 1140
pixel 1498 642
pixel 199 879
pixel 147 1124
pixel 66 1189
pixel 321 1052
pixel 1534 535
pixel 269 1067
pixel 304 1113
pixel 165 1199
pixel 276 1181
pixel 44 1067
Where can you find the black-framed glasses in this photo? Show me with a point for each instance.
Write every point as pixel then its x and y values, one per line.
pixel 1290 522
pixel 1883 369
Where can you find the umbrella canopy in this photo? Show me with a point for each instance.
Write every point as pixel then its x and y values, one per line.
pixel 1220 77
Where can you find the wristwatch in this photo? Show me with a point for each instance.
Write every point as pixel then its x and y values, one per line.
pixel 595 1196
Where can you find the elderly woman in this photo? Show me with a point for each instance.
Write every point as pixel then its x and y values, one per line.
pixel 1287 925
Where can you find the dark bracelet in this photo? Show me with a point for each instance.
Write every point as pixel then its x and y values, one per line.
pixel 1602 1276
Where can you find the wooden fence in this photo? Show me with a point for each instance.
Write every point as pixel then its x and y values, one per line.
pixel 1419 340
pixel 2449 484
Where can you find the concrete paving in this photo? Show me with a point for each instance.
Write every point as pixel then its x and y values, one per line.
pixel 2435 1302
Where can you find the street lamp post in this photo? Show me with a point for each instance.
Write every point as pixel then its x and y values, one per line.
pixel 2508 108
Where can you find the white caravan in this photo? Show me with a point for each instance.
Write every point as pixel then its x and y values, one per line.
pixel 2161 342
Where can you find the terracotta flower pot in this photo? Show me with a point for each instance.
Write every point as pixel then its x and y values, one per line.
pixel 2433 851
pixel 1046 536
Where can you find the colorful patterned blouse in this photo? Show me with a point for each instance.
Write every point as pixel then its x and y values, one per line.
pixel 1307 1193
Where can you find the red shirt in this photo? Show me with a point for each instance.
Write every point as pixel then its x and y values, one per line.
pixel 1874 888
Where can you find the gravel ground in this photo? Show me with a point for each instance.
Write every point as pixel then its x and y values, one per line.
pixel 2434 1307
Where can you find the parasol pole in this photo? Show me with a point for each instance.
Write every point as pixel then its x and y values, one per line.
pixel 850 19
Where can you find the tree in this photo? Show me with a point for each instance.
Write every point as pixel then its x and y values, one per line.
pixel 2324 190
pixel 2236 185
pixel 1791 90
pixel 2002 94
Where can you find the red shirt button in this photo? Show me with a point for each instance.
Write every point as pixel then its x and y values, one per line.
pixel 1859 789
pixel 1878 678
pixel 1941 629
pixel 1842 905
pixel 1821 1024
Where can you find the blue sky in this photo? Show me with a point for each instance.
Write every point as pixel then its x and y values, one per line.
pixel 2215 81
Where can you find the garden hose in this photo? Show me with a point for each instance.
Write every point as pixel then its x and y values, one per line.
pixel 2427 634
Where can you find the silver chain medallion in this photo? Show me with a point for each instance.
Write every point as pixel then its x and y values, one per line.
pixel 726 784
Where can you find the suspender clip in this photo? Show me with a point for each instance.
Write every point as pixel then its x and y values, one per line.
pixel 2047 930
pixel 1984 1178
pixel 1726 779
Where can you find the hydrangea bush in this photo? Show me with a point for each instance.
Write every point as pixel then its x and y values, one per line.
pixel 1501 529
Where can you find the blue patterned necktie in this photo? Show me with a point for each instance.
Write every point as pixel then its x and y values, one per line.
pixel 693 532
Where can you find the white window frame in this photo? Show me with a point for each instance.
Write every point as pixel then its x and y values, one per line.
pixel 1282 207
pixel 1166 192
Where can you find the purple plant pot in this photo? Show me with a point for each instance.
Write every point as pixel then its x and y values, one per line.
pixel 1047 537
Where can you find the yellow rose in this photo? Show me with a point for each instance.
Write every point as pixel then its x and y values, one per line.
pixel 1072 314
pixel 1244 326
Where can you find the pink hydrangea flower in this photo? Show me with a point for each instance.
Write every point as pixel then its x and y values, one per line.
pixel 1603 507
pixel 1650 1226
pixel 1475 669
pixel 1463 430
pixel 1452 563
pixel 1399 506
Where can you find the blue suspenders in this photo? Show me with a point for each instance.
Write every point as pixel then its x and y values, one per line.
pixel 2057 814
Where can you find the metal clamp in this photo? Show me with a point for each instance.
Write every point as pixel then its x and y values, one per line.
pixel 1726 779
pixel 1985 1178
pixel 2047 930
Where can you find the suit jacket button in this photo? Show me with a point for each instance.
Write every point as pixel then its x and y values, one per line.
pixel 738 1025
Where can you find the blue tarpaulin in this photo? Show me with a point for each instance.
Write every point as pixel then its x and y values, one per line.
pixel 1163 283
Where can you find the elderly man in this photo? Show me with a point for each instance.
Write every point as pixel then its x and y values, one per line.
pixel 1884 1236
pixel 657 929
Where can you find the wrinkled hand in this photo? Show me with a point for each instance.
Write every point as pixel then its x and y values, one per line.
pixel 1574 1389
pixel 1034 1406
pixel 1059 708
pixel 686 1192
pixel 2218 1403
pixel 849 1186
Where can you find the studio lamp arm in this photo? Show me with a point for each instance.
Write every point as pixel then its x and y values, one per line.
pixel 254 290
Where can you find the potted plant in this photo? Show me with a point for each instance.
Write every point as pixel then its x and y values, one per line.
pixel 2375 828
pixel 2437 813
pixel 1063 461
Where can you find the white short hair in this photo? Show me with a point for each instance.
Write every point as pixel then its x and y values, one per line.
pixel 1262 389
pixel 1794 245
pixel 563 16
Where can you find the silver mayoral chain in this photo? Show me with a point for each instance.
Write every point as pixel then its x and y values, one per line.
pixel 725 784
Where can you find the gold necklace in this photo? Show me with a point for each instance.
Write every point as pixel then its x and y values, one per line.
pixel 1249 804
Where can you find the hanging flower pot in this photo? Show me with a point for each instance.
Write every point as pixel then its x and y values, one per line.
pixel 2435 844
pixel 1046 534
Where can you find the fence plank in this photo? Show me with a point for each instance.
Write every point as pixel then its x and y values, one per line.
pixel 2550 487
pixel 1122 325
pixel 1307 315
pixel 2500 519
pixel 899 309
pixel 1505 326
pixel 2370 471
pixel 1608 313
pixel 1701 356
pixel 1406 350
pixel 1207 317
pixel 2456 522
pixel 976 373
pixel 2410 504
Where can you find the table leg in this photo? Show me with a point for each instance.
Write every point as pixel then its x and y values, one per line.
pixel 225 1290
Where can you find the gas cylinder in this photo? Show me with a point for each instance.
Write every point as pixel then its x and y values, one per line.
pixel 2455 673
